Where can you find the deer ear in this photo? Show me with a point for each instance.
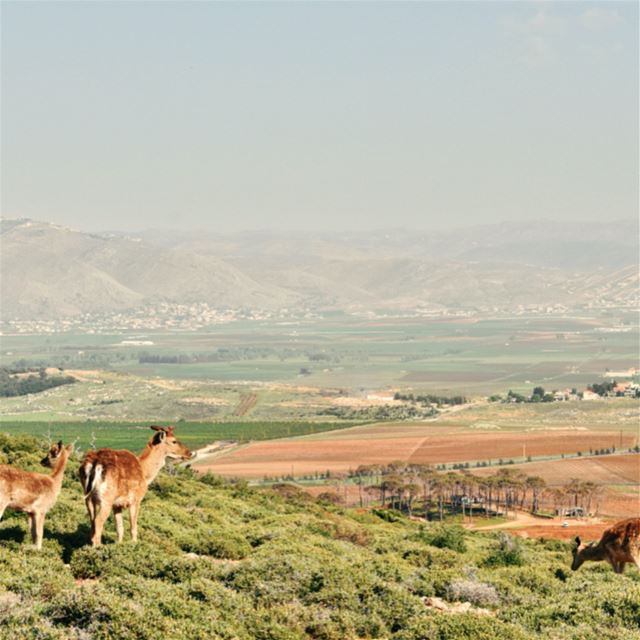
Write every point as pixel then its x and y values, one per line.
pixel 578 541
pixel 59 444
pixel 159 437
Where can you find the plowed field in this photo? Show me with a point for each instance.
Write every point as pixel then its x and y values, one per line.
pixel 425 443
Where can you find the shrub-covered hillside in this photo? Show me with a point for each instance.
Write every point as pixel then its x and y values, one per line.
pixel 219 560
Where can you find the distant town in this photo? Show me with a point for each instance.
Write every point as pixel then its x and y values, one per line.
pixel 164 316
pixel 168 316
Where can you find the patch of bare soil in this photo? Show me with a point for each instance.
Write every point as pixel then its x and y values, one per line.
pixel 438 604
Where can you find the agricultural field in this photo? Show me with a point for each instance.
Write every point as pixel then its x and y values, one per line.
pixel 476 433
pixel 541 440
pixel 472 356
pixel 348 450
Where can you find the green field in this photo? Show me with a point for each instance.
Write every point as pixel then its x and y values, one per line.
pixel 467 355
pixel 134 436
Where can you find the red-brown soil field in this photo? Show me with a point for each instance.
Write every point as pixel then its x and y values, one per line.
pixel 557 532
pixel 612 469
pixel 347 449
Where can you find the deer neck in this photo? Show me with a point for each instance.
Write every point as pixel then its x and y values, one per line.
pixel 594 553
pixel 151 460
pixel 58 471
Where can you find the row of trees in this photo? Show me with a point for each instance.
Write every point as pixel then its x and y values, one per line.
pixel 429 399
pixel 402 486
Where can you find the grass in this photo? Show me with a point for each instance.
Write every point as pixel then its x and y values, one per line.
pixel 223 561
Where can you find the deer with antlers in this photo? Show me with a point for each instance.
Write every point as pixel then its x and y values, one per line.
pixel 119 480
pixel 34 493
pixel 619 545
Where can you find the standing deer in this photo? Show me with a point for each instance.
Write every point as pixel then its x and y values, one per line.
pixel 618 545
pixel 34 493
pixel 119 480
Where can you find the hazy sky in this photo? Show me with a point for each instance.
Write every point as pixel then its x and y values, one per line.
pixel 318 115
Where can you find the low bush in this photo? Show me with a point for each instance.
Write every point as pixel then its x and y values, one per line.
pixel 477 593
pixel 507 553
pixel 445 537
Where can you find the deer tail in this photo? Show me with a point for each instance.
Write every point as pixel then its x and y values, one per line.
pixel 91 475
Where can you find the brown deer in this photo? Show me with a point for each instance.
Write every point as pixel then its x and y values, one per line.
pixel 34 493
pixel 619 545
pixel 119 479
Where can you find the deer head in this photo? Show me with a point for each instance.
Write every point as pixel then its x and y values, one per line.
pixel 167 442
pixel 579 553
pixel 55 452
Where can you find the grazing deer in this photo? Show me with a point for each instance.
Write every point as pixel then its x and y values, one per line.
pixel 119 479
pixel 618 545
pixel 34 493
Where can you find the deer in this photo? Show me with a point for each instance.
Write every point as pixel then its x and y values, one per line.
pixel 34 493
pixel 118 479
pixel 619 545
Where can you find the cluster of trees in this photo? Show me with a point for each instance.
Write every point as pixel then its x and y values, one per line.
pixel 402 486
pixel 429 399
pixel 20 382
pixel 602 388
pixel 538 395
pixel 384 412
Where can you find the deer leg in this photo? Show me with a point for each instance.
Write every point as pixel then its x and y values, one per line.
pixel 91 508
pixel 39 523
pixel 33 528
pixel 134 509
pixel 98 523
pixel 117 514
pixel 3 506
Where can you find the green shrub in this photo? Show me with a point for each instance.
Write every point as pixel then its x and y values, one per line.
pixel 507 553
pixel 446 537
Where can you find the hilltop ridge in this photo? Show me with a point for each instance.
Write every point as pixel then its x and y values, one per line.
pixel 50 271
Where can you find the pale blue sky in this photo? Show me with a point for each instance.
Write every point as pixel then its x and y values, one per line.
pixel 318 115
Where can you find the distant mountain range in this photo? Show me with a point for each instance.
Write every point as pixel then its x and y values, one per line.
pixel 49 271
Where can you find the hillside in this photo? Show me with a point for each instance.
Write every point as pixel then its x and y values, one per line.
pixel 221 561
pixel 50 271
